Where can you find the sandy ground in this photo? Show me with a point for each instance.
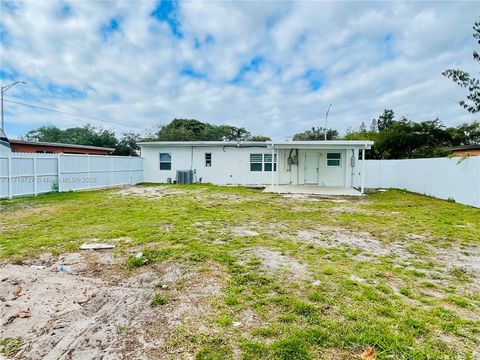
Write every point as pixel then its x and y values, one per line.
pixel 274 261
pixel 84 306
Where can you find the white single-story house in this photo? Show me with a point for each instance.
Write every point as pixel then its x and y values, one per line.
pixel 270 163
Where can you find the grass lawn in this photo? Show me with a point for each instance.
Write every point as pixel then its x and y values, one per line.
pixel 301 278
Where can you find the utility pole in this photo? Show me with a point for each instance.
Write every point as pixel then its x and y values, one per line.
pixel 326 117
pixel 3 90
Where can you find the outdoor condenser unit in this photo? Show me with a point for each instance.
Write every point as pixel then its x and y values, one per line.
pixel 184 177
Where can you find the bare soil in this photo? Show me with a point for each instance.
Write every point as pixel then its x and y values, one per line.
pixel 275 261
pixel 86 305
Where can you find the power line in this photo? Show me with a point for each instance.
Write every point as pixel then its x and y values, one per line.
pixel 66 113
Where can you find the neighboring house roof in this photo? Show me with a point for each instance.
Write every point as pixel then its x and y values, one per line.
pixel 465 147
pixel 283 144
pixel 41 143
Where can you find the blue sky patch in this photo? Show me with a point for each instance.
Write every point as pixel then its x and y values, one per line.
pixel 65 92
pixel 166 11
pixel 208 40
pixel 66 10
pixel 191 73
pixel 252 66
pixel 109 28
pixel 8 75
pixel 315 79
pixel 388 46
pixel 16 129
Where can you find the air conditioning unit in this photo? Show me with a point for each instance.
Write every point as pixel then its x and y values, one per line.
pixel 184 177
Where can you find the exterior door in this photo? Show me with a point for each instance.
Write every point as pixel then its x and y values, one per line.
pixel 311 168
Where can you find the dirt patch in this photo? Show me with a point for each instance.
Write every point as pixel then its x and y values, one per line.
pixel 243 231
pixel 275 261
pixel 328 237
pixel 464 258
pixel 313 198
pixel 216 199
pixel 151 192
pixel 77 311
pixel 336 354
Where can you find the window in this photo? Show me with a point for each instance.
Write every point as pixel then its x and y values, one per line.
pixel 262 162
pixel 208 159
pixel 165 161
pixel 334 159
pixel 256 162
pixel 267 162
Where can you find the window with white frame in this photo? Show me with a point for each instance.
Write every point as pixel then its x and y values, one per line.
pixel 267 162
pixel 208 159
pixel 256 162
pixel 263 162
pixel 165 161
pixel 334 159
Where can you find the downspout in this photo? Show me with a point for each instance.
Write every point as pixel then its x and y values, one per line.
pixel 191 159
pixel 352 166
pixel 273 158
pixel 363 171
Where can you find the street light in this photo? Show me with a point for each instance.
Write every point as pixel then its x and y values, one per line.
pixel 4 89
pixel 326 117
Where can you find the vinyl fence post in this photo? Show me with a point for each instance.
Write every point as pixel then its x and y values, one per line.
pixel 35 190
pixel 111 171
pixel 130 169
pixel 10 187
pixel 88 171
pixel 59 174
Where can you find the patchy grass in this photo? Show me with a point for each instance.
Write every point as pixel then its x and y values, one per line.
pixel 159 299
pixel 416 299
pixel 10 346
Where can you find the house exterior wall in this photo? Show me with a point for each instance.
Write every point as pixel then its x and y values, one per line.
pixel 231 165
pixel 326 176
pixel 469 151
pixel 34 148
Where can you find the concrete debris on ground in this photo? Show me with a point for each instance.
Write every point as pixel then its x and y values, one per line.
pixel 96 246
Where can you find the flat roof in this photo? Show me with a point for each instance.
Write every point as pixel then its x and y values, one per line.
pixel 278 144
pixel 41 143
pixel 204 143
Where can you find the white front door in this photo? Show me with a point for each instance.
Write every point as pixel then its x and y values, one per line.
pixel 311 168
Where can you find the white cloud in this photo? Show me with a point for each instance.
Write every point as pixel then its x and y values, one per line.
pixel 370 56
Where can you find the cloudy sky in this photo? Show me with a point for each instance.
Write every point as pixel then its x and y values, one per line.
pixel 272 67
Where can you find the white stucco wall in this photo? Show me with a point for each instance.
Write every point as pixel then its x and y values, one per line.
pixel 443 178
pixel 231 165
pixel 327 175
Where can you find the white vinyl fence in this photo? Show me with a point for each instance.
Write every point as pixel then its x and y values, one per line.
pixel 32 174
pixel 444 178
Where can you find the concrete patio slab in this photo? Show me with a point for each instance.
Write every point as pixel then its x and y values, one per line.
pixel 312 190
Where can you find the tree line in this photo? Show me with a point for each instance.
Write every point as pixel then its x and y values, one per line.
pixel 394 138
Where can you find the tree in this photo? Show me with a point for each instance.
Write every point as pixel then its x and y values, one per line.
pixel 465 80
pixel 87 135
pixel 385 120
pixel 194 130
pixel 316 133
pixel 260 138
pixel 48 133
pixel 465 134
pixel 128 144
pixel 405 139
